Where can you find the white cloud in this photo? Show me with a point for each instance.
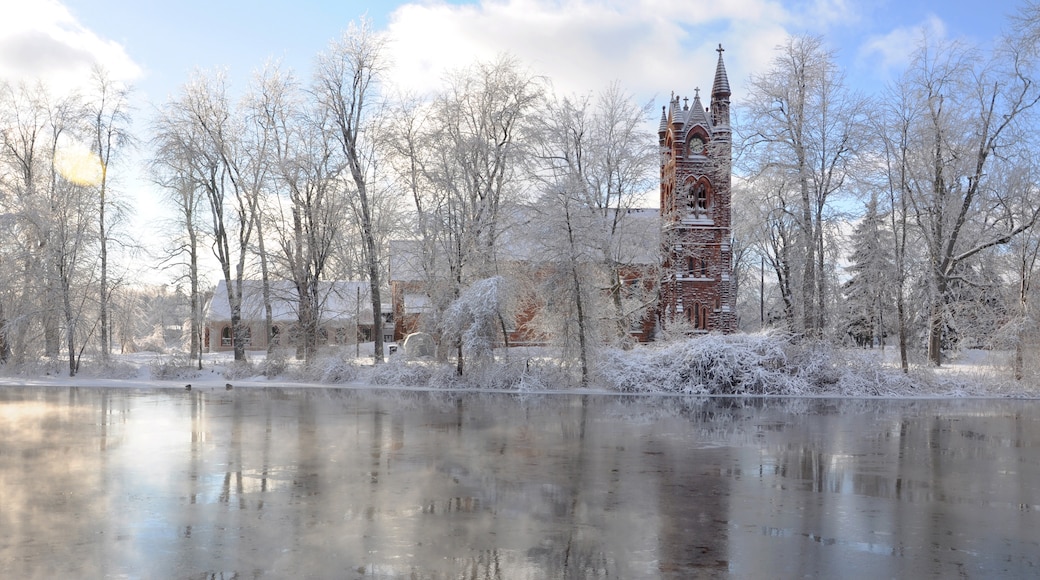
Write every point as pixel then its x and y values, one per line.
pixel 891 53
pixel 42 40
pixel 651 46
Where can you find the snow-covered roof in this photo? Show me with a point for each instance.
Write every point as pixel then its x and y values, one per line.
pixel 526 235
pixel 338 301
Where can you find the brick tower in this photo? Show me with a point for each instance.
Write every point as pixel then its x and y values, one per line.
pixel 696 159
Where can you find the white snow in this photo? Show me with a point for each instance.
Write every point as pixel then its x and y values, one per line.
pixel 743 364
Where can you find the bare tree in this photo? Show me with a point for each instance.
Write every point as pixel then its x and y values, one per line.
pixel 172 171
pixel 201 126
pixel 969 129
pixel 804 123
pixel 346 85
pixel 110 120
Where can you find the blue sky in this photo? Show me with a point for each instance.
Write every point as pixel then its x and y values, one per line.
pixel 653 47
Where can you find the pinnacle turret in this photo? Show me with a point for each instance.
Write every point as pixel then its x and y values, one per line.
pixel 720 89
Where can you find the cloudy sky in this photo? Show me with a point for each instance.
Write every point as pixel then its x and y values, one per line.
pixel 653 47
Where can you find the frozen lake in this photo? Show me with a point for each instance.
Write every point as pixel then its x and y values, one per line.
pixel 327 483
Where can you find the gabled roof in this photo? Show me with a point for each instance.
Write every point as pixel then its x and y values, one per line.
pixel 526 237
pixel 338 301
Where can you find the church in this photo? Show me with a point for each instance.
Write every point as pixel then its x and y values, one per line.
pixel 696 238
pixel 680 254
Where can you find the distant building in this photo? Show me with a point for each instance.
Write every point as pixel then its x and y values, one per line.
pixel 345 315
pixel 696 165
pixel 682 252
pixel 523 254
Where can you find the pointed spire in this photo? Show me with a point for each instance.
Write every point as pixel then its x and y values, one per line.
pixel 697 114
pixel 721 86
pixel 664 120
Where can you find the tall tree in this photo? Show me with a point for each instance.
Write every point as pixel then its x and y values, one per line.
pixel 346 85
pixel 970 127
pixel 109 114
pixel 592 159
pixel 867 292
pixel 803 123
pixel 201 125
pixel 478 124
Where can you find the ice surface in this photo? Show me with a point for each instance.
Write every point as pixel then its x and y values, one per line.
pixel 348 483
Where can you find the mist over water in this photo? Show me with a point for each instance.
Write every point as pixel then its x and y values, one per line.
pixel 317 483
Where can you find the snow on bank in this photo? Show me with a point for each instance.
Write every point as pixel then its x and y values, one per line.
pixel 743 364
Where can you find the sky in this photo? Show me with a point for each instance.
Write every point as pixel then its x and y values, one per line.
pixel 652 47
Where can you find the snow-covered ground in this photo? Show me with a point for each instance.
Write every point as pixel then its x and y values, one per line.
pixel 717 365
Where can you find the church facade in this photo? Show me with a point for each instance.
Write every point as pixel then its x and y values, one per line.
pixel 697 289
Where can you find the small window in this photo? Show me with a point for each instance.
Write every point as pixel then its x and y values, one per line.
pixel 225 336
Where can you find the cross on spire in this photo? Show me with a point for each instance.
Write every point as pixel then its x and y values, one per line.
pixel 720 49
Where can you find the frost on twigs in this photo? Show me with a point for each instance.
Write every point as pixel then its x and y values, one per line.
pixel 737 364
pixel 475 319
pixel 751 364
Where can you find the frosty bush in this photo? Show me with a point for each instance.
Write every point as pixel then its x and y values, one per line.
pixel 714 364
pixel 177 366
pixel 752 364
pixel 403 372
pixel 240 370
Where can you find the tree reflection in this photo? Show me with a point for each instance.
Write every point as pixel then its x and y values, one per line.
pixel 328 483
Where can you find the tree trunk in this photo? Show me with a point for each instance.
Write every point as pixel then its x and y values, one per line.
pixel 103 306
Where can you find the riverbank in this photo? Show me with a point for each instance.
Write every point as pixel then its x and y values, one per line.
pixel 745 365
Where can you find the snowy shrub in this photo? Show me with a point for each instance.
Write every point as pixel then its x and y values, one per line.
pixel 338 370
pixel 111 369
pixel 240 369
pixel 401 372
pixel 154 342
pixel 274 365
pixel 171 367
pixel 712 364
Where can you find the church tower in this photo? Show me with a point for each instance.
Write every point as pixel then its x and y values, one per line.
pixel 696 161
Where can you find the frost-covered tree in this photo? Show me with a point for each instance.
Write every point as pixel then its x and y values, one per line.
pixel 473 319
pixel 109 119
pixel 347 87
pixel 802 129
pixel 591 160
pixel 868 291
pixel 972 122
pixel 201 126
pixel 469 166
pixel 309 212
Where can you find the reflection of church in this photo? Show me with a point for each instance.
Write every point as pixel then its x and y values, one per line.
pixel 696 157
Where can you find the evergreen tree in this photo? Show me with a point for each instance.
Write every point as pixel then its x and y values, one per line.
pixel 868 290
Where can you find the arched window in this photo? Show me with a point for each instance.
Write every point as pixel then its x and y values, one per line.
pixel 225 336
pixel 702 197
pixel 704 268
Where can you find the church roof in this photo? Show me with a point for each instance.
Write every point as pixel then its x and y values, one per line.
pixel 696 115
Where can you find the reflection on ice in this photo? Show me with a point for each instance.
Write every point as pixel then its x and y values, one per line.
pixel 340 483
